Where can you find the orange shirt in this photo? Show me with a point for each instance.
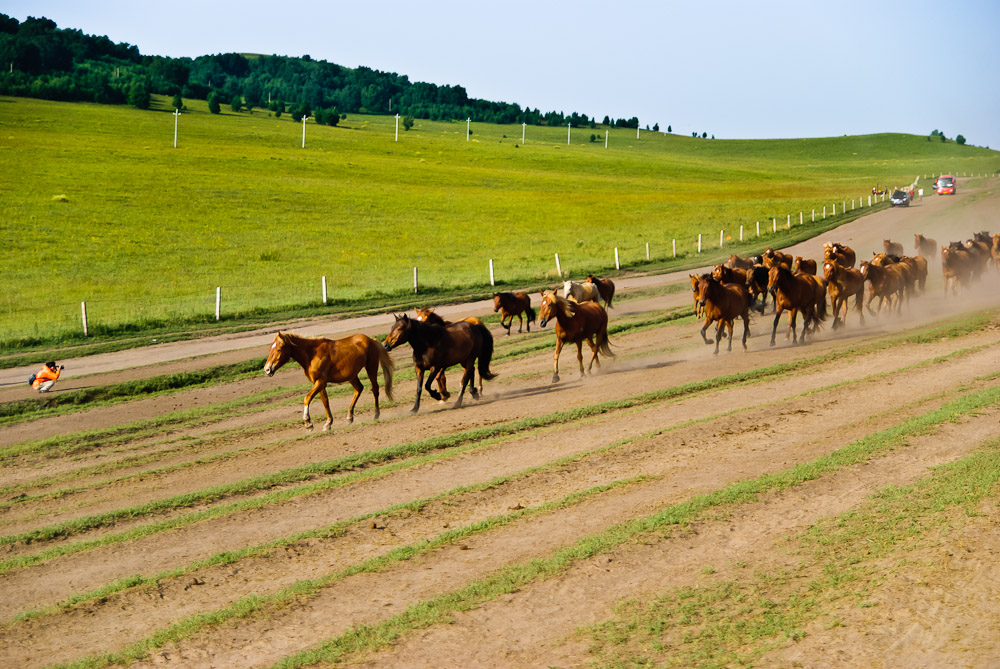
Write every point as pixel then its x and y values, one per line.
pixel 45 374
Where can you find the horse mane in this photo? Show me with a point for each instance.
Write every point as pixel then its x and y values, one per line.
pixel 566 307
pixel 294 339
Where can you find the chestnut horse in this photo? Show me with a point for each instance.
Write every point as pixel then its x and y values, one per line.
pixel 842 283
pixel 797 292
pixel 772 258
pixel 513 304
pixel 724 303
pixel 438 347
pixel 428 316
pixel 698 311
pixel 575 322
pixel 325 361
pixel 887 283
pixel 606 288
pixel 725 274
pixel 839 253
pixel 925 246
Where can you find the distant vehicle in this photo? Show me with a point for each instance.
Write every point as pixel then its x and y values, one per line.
pixel 900 198
pixel 945 185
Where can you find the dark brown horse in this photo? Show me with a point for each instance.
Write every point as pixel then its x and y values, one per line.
pixel 724 303
pixel 428 316
pixel 606 287
pixel 575 322
pixel 842 283
pixel 757 285
pixel 513 304
pixel 797 292
pixel 437 347
pixel 325 361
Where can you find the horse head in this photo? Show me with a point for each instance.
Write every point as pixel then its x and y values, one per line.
pixel 399 334
pixel 496 302
pixel 705 282
pixel 277 355
pixel 552 304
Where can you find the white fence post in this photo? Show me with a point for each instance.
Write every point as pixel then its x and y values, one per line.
pixel 699 242
pixel 741 232
pixel 218 303
pixel 824 212
pixel 414 280
pixel 869 200
pixel 617 266
pixel 675 248
pixel 324 290
pixel 721 232
pixel 788 222
pixel 83 308
pixel 647 250
pixel 834 208
pixel 492 282
pixel 558 267
pixel 774 225
pixel 800 218
pixel 758 228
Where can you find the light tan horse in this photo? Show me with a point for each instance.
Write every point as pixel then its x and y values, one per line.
pixel 581 292
pixel 327 361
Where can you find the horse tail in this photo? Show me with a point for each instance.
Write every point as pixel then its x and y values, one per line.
pixel 387 366
pixel 603 345
pixel 530 313
pixel 485 354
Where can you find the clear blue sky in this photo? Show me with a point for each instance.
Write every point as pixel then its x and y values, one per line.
pixel 732 69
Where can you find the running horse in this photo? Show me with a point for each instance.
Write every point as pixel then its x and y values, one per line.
pixel 797 292
pixel 339 361
pixel 581 292
pixel 575 322
pixel 437 347
pixel 513 304
pixel 724 303
pixel 427 315
pixel 606 288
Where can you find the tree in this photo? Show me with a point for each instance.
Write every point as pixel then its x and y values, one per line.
pixel 960 139
pixel 407 122
pixel 178 101
pixel 669 129
pixel 237 103
pixel 213 103
pixel 656 127
pixel 704 135
pixel 138 94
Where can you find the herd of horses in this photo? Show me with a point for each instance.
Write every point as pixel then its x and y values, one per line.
pixel 729 292
pixel 438 344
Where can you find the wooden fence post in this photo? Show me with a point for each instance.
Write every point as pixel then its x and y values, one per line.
pixel 492 282
pixel 324 291
pixel 83 308
pixel 218 303
pixel 558 267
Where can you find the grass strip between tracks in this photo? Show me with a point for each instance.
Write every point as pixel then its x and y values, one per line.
pixel 410 449
pixel 734 622
pixel 309 587
pixel 368 638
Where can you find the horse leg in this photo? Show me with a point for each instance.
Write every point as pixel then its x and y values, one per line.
pixel 520 322
pixel 506 326
pixel 708 321
pixel 434 373
pixel 593 357
pixel 443 385
pixel 774 327
pixel 372 368
pixel 420 387
pixel 719 329
pixel 746 328
pixel 555 358
pixel 579 356
pixel 729 324
pixel 358 387
pixel 469 378
pixel 317 387
pixel 792 316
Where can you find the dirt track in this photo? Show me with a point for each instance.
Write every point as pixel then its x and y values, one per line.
pixel 515 491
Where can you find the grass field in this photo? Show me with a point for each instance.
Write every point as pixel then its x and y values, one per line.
pixel 98 206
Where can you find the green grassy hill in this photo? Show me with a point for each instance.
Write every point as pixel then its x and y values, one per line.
pixel 146 231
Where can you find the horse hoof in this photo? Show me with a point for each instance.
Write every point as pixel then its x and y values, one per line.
pixel 555 378
pixel 309 426
pixel 414 409
pixel 377 414
pixel 327 426
pixel 435 394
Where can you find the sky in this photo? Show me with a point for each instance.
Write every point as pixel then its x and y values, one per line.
pixel 729 68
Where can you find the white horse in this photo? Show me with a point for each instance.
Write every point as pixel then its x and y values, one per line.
pixel 581 292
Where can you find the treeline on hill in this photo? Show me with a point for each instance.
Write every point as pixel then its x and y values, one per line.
pixel 40 60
